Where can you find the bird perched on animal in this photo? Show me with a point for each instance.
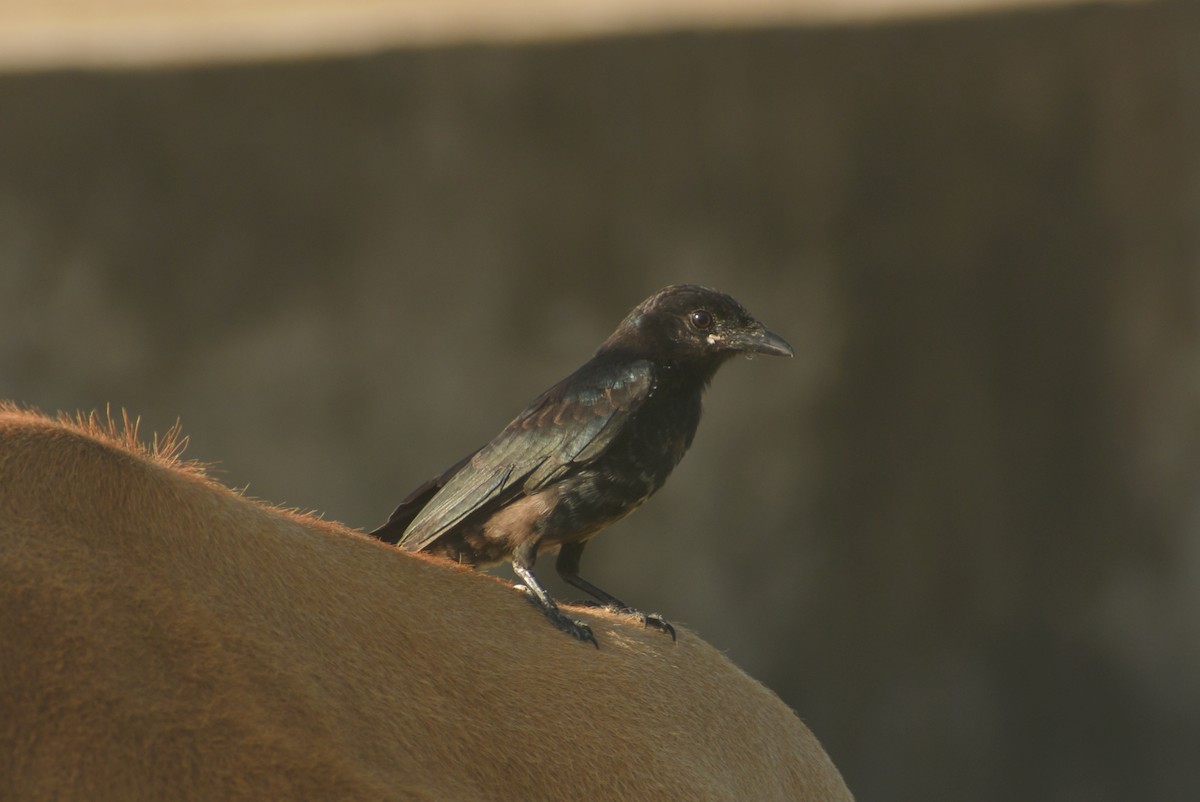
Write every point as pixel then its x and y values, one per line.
pixel 586 452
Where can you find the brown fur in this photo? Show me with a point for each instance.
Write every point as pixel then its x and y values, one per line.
pixel 162 637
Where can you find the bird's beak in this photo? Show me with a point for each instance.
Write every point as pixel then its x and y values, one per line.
pixel 758 340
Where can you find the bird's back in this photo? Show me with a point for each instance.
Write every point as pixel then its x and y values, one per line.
pixel 603 440
pixel 565 429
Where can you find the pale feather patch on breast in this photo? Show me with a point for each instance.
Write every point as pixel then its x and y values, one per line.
pixel 514 522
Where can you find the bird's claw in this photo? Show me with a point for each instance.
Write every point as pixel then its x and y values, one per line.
pixel 573 627
pixel 656 621
pixel 649 620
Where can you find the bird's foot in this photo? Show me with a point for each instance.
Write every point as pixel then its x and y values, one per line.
pixel 649 620
pixel 573 627
pixel 654 621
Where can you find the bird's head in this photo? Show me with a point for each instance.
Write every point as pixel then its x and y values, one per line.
pixel 694 325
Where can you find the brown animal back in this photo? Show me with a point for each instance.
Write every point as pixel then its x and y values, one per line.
pixel 167 638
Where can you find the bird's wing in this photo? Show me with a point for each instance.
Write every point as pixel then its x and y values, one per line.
pixel 414 502
pixel 570 424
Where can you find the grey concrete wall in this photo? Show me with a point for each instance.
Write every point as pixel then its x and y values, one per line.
pixel 959 533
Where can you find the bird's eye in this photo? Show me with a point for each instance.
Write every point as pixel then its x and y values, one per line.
pixel 701 319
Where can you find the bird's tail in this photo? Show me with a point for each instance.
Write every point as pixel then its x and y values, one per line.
pixel 390 532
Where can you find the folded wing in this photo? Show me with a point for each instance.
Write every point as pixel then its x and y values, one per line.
pixel 568 426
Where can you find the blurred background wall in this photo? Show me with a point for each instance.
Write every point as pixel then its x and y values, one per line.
pixel 959 533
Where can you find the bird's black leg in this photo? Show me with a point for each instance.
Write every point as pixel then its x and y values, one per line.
pixel 522 562
pixel 568 568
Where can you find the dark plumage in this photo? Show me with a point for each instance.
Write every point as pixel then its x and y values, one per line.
pixel 586 452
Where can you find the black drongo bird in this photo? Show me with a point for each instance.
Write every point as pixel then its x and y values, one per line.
pixel 586 452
